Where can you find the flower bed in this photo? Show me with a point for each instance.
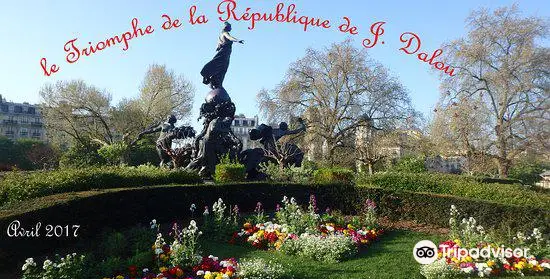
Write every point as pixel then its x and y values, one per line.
pixel 473 252
pixel 176 253
pixel 329 236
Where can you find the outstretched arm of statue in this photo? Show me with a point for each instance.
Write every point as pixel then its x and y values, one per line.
pixel 231 38
pixel 153 129
pixel 299 129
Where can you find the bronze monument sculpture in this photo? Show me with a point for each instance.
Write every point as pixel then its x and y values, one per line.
pixel 168 132
pixel 213 72
pixel 216 139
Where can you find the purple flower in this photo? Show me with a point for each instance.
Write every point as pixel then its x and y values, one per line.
pixel 313 202
pixel 236 210
pixel 278 207
pixel 258 207
pixel 369 204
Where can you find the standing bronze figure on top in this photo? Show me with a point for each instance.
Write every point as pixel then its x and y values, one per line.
pixel 213 73
pixel 216 139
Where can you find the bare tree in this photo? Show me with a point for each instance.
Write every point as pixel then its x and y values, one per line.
pixel 78 110
pixel 331 89
pixel 461 129
pixel 162 93
pixel 283 152
pixel 84 113
pixel 500 64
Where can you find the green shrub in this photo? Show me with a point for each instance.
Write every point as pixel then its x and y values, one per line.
pixel 333 175
pixel 230 172
pixel 143 152
pixel 18 186
pixel 457 185
pixel 115 153
pixel 79 156
pixel 410 164
pixel 26 154
pixel 302 175
pixel 528 172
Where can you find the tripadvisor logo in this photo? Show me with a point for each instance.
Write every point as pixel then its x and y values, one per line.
pixel 425 252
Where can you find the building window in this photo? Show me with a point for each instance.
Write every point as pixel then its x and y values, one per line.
pixel 24 120
pixel 23 132
pixel 5 108
pixel 245 123
pixel 31 110
pixel 237 122
pixel 18 109
pixel 252 123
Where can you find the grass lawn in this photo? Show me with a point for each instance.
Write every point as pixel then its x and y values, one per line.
pixel 390 257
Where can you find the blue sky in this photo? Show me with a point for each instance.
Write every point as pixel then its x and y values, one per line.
pixel 30 30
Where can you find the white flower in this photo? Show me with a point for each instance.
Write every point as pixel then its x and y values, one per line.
pixel 225 276
pixel 545 265
pixel 200 273
pixel 28 263
pixel 47 263
pixel 145 270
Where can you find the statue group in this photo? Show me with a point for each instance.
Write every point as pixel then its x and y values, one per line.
pixel 216 139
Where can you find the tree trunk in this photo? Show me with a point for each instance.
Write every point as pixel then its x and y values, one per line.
pixel 370 167
pixel 502 160
pixel 503 167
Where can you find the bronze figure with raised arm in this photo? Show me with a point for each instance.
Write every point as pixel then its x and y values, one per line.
pixel 213 73
pixel 164 141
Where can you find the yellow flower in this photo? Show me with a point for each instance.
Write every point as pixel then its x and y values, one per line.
pixel 467 259
pixel 208 275
pixel 120 277
pixel 163 269
pixel 520 265
pixel 350 227
pixel 458 242
pixel 491 263
pixel 455 260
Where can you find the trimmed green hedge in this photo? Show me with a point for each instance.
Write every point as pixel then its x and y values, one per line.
pixel 457 185
pixel 333 176
pixel 128 207
pixel 226 173
pixel 18 186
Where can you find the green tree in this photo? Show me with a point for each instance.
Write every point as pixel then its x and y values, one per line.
pixel 9 154
pixel 411 164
